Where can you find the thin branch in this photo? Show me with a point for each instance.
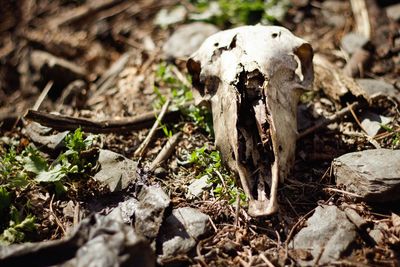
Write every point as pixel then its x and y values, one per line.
pixel 43 95
pixel 55 216
pixel 63 123
pixel 143 146
pixel 166 151
pixel 361 17
pixel 326 121
pixel 266 260
pixel 356 119
pixel 342 192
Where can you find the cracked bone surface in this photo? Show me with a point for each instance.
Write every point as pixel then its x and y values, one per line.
pixel 252 78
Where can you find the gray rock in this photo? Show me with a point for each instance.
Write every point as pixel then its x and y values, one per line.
pixel 353 41
pixel 393 12
pixel 43 135
pixel 196 188
pixel 372 122
pixel 187 39
pixel 375 88
pixel 329 234
pixel 181 230
pixel 374 175
pixel 117 171
pixel 124 211
pixel 97 241
pixel 150 211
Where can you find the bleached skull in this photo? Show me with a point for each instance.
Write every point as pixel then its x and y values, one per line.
pixel 252 77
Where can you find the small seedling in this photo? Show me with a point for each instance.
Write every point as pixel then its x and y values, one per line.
pixel 180 96
pixel 395 136
pixel 68 162
pixel 15 233
pixel 18 170
pixel 223 182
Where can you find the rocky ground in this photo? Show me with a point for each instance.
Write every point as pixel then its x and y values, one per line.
pixel 85 178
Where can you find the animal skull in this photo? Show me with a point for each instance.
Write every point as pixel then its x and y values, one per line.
pixel 252 77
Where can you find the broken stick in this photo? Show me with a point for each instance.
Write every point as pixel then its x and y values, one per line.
pixel 63 123
pixel 326 121
pixel 166 151
pixel 142 148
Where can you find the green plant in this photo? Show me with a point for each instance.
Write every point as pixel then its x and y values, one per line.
pixel 68 162
pixel 180 96
pixel 13 179
pixel 18 226
pixel 201 116
pixel 180 93
pixel 223 182
pixel 28 167
pixel 12 174
pixel 247 12
pixel 394 137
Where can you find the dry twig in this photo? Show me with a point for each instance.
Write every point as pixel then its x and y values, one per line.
pixel 361 17
pixel 63 123
pixel 166 151
pixel 326 121
pixel 42 95
pixel 143 146
pixel 55 216
pixel 266 260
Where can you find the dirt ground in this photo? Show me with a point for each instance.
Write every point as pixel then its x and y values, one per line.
pixel 94 35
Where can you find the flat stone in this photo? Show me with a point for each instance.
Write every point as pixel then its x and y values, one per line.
pixel 328 235
pixel 375 88
pixel 150 211
pixel 393 12
pixel 187 39
pixel 371 122
pixel 97 241
pixel 43 136
pixel 353 41
pixel 374 174
pixel 181 230
pixel 117 171
pixel 197 187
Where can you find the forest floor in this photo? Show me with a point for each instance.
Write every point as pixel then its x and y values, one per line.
pixel 102 67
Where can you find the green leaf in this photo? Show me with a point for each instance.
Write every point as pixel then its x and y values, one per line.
pixel 16 232
pixel 35 163
pixel 53 175
pixel 60 188
pixel 74 141
pixel 20 180
pixel 387 127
